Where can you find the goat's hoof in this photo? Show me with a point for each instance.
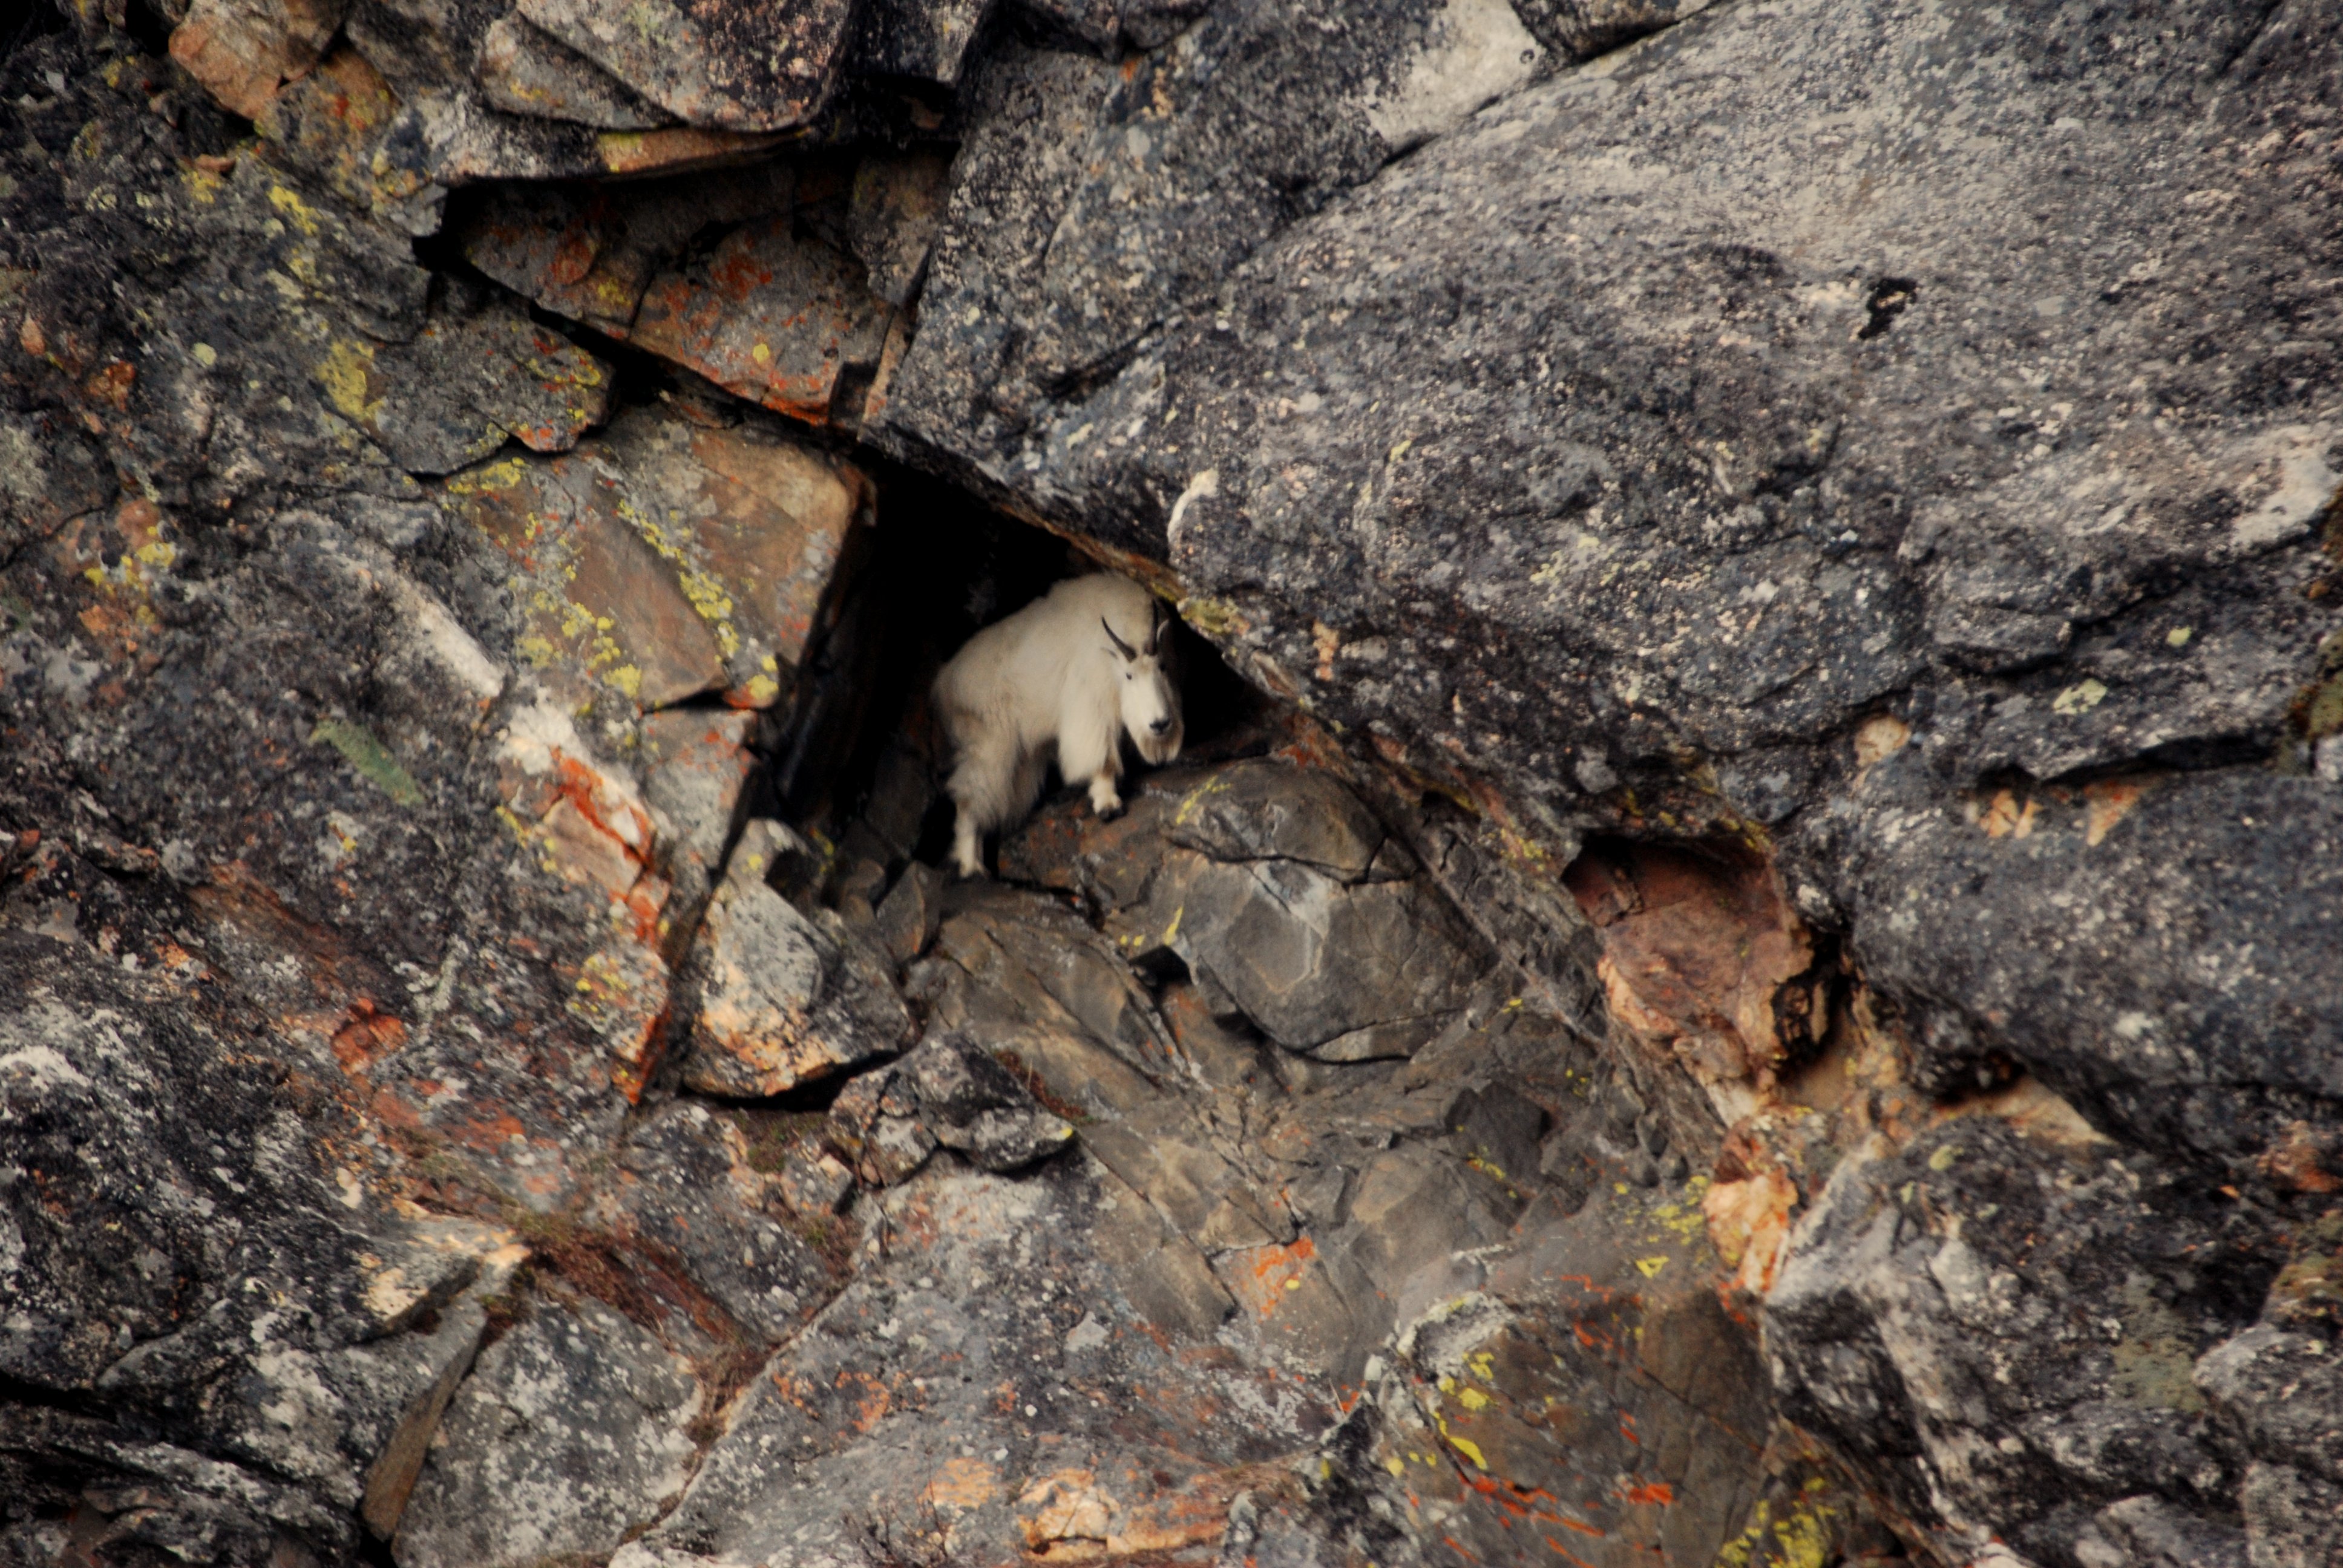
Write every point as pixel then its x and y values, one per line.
pixel 1108 811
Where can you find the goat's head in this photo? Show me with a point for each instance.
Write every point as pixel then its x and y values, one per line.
pixel 1150 702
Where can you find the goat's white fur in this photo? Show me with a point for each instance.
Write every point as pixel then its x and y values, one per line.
pixel 1066 675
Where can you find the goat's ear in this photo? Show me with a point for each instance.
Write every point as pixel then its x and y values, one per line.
pixel 1154 626
pixel 1120 646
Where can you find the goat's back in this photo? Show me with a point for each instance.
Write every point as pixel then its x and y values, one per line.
pixel 1019 664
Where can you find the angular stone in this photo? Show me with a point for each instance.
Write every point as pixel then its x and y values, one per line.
pixel 686 1186
pixel 1265 811
pixel 1347 973
pixel 1975 1282
pixel 568 1435
pixel 782 997
pixel 754 526
pixel 447 138
pixel 478 373
pixel 603 614
pixel 814 1183
pixel 874 1123
pixel 589 257
pixel 729 64
pixel 896 211
pixel 1019 972
pixel 1585 28
pixel 925 39
pixel 330 123
pixel 772 315
pixel 977 1106
pixel 422 47
pixel 522 71
pixel 911 912
pixel 695 763
pixel 242 51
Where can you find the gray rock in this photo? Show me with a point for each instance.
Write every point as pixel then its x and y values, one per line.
pixel 783 997
pixel 737 67
pixel 1932 1306
pixel 568 1435
pixel 522 71
pixel 875 1124
pixel 976 1107
pixel 686 1187
pixel 927 39
pixel 911 912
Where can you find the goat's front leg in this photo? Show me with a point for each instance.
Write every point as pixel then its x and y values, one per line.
pixel 967 856
pixel 1105 799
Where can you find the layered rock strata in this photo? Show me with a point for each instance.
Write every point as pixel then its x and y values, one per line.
pixel 1759 983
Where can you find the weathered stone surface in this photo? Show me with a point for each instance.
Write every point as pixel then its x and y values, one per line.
pixel 772 315
pixel 1923 1323
pixel 721 63
pixel 1849 512
pixel 928 39
pixel 994 1416
pixel 783 997
pixel 524 71
pixel 910 915
pixel 590 257
pixel 243 51
pixel 1589 27
pixel 898 208
pixel 1110 204
pixel 976 1107
pixel 685 1185
pixel 566 1435
pixel 753 524
pixel 477 374
pixel 695 764
pixel 875 1124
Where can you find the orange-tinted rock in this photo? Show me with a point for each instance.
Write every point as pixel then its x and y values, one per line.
pixel 603 614
pixel 695 762
pixel 771 315
pixel 329 122
pixel 587 825
pixel 243 50
pixel 728 64
pixel 753 524
pixel 588 256
pixel 1699 955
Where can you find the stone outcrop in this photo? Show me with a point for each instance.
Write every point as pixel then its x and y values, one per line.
pixel 1751 976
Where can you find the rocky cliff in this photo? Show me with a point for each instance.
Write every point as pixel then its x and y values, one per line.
pixel 1745 967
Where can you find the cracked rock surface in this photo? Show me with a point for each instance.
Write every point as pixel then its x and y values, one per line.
pixel 1742 966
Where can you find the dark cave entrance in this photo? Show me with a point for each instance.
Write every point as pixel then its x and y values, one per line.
pixel 856 760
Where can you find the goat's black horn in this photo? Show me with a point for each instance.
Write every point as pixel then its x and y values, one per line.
pixel 1120 646
pixel 1154 626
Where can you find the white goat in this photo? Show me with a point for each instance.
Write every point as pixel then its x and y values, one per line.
pixel 1067 673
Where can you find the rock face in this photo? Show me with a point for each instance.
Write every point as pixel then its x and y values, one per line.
pixel 1744 967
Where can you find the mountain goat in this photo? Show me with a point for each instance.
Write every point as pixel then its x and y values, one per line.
pixel 1068 673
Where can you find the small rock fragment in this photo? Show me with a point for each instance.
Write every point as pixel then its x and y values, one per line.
pixel 908 916
pixel 815 1181
pixel 874 1122
pixel 976 1107
pixel 784 997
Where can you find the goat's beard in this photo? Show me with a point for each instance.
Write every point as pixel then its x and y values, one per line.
pixel 1160 748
